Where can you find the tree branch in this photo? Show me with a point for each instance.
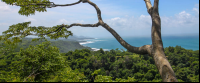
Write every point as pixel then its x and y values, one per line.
pixel 155 6
pixel 98 11
pixel 30 75
pixel 149 6
pixel 51 5
pixel 34 72
pixel 146 49
pixel 83 25
pixel 59 28
pixel 26 34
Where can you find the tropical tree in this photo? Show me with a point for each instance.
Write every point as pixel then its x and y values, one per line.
pixel 38 62
pixel 28 7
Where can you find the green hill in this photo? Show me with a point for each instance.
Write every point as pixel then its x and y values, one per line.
pixel 64 46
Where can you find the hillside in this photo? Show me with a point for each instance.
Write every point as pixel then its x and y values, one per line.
pixel 63 45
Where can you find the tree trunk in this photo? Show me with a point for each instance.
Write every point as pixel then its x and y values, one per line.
pixel 157 51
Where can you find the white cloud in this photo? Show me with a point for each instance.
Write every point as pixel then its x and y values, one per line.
pixel 144 21
pixel 181 23
pixel 3 24
pixel 130 25
pixel 196 9
pixel 197 5
pixel 69 21
pixel 122 21
pixel 4 7
pixel 183 18
pixel 116 18
pixel 63 21
pixel 30 19
pixel 183 14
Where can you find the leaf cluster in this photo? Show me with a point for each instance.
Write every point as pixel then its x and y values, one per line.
pixel 29 7
pixel 17 32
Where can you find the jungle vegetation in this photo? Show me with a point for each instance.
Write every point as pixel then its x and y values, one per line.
pixel 44 62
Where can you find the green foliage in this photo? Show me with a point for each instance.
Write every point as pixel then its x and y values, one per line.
pixel 26 8
pixel 83 65
pixel 17 32
pixel 140 68
pixel 41 60
pixel 96 72
pixel 6 49
pixel 67 75
pixel 100 78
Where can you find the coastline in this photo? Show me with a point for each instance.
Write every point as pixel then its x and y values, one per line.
pixel 189 43
pixel 96 49
pixel 84 41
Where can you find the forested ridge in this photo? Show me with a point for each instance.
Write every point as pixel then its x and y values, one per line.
pixel 44 62
pixel 63 45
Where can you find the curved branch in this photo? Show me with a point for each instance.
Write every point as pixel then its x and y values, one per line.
pixel 51 5
pixel 83 25
pixel 30 75
pixel 146 49
pixel 98 11
pixel 149 6
pixel 68 4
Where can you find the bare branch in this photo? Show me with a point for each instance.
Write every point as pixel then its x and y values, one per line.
pixel 146 49
pixel 69 4
pixel 38 73
pixel 83 25
pixel 33 73
pixel 155 6
pixel 140 50
pixel 149 6
pixel 98 11
pixel 30 75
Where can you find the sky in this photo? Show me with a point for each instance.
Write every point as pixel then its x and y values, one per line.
pixel 129 18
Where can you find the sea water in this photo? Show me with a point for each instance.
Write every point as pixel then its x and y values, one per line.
pixel 191 42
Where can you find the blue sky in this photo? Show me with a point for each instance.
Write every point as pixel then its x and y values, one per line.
pixel 127 17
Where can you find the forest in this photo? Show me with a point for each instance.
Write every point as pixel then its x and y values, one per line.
pixel 44 62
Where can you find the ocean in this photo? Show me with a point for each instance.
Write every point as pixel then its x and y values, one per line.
pixel 190 42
